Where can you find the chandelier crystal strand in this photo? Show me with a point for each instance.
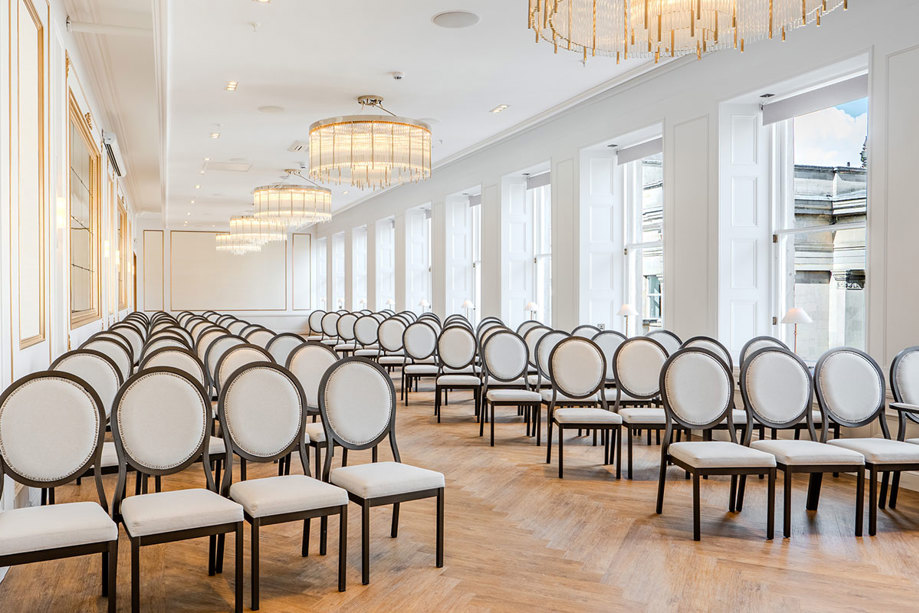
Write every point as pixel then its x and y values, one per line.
pixel 668 28
pixel 370 151
pixel 292 206
pixel 256 231
pixel 233 244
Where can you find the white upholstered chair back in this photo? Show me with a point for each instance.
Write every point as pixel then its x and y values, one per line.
pixel 637 366
pixel 216 349
pixel 262 412
pixel 315 321
pixel 358 403
pixel 51 428
pixel 668 339
pixel 608 341
pixel 281 346
pixel 329 324
pixel 505 356
pixel 308 363
pixel 697 389
pixel 850 387
pixel 585 331
pixel 532 338
pixel 759 342
pixel 365 330
pixel 114 350
pixel 237 357
pixel 707 342
pixel 132 335
pixel 96 369
pixel 178 358
pixel 390 334
pixel 419 340
pixel 260 337
pixel 904 378
pixel 577 368
pixel 345 327
pixel 544 347
pixel 777 387
pixel 160 341
pixel 526 326
pixel 456 347
pixel 236 326
pixel 204 342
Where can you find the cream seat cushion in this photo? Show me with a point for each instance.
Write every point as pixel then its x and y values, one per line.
pixel 329 341
pixel 586 416
pixel 446 380
pixel 109 455
pixel 643 416
pixel 286 494
pixel 177 510
pixel 881 450
pixel 54 525
pixel 315 432
pixel 380 479
pixel 216 446
pixel 513 396
pixel 546 395
pixel 792 453
pixel 534 380
pixel 391 360
pixel 421 369
pixel 365 353
pixel 610 393
pixel 720 454
pixel 345 347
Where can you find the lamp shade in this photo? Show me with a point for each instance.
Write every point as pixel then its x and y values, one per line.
pixel 467 304
pixel 797 315
pixel 424 303
pixel 390 302
pixel 531 306
pixel 627 310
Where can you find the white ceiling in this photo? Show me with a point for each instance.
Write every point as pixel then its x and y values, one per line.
pixel 312 58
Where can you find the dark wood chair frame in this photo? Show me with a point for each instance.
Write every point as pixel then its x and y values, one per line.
pixel 393 352
pixel 332 439
pixel 530 410
pixel 443 389
pixel 342 338
pixel 256 523
pixel 594 329
pixel 215 562
pixel 362 344
pixel 815 471
pixel 595 398
pixel 904 412
pixel 210 364
pixel 697 472
pixel 879 414
pixel 285 335
pixel 108 549
pixel 410 380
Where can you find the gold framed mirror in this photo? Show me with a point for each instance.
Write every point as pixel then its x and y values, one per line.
pixel 83 207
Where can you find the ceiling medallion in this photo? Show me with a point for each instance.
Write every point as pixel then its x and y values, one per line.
pixel 292 206
pixel 372 151
pixel 627 29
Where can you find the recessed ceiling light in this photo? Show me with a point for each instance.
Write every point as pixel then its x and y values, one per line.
pixel 197 187
pixel 207 159
pixel 345 192
pixel 262 1
pixel 455 19
pixel 499 108
pixel 271 108
pixel 232 85
pixel 201 172
pixel 215 134
pixel 188 214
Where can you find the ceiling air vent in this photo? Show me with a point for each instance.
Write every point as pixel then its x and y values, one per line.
pixel 297 146
pixel 228 166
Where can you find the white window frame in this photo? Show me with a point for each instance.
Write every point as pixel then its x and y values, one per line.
pixel 634 247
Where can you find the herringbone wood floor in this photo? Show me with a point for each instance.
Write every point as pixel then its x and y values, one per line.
pixel 518 538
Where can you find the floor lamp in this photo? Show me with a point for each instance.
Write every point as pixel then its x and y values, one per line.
pixel 468 306
pixel 796 315
pixel 531 308
pixel 627 310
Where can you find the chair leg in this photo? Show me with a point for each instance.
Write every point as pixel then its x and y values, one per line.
pixel 323 534
pixel 105 567
pixel 305 545
pixel 365 543
pixel 561 452
pixel 733 495
pixel 239 568
pixel 813 491
pixel 548 439
pixel 660 482
pixel 741 487
pixel 342 546
pixel 492 423
pixel 437 403
pixel 242 469
pixel 630 455
pixel 696 508
pixel 860 501
pixel 786 511
pixel 872 501
pixel 318 463
pixel 439 556
pixel 218 563
pixel 628 434
pixel 484 410
pixel 211 555
pixel 882 498
pixel 254 573
pixel 135 575
pixel 158 480
pixel 395 520
pixel 894 489
pixel 770 506
pixel 374 453
pixel 112 578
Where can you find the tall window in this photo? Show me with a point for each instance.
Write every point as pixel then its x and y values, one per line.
pixel 322 278
pixel 540 203
pixel 418 259
pixel 386 264
pixel 338 271
pixel 820 232
pixel 476 223
pixel 644 200
pixel 359 268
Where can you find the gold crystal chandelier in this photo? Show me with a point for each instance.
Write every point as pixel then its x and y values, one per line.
pixel 372 151
pixel 247 228
pixel 292 206
pixel 627 29
pixel 233 244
